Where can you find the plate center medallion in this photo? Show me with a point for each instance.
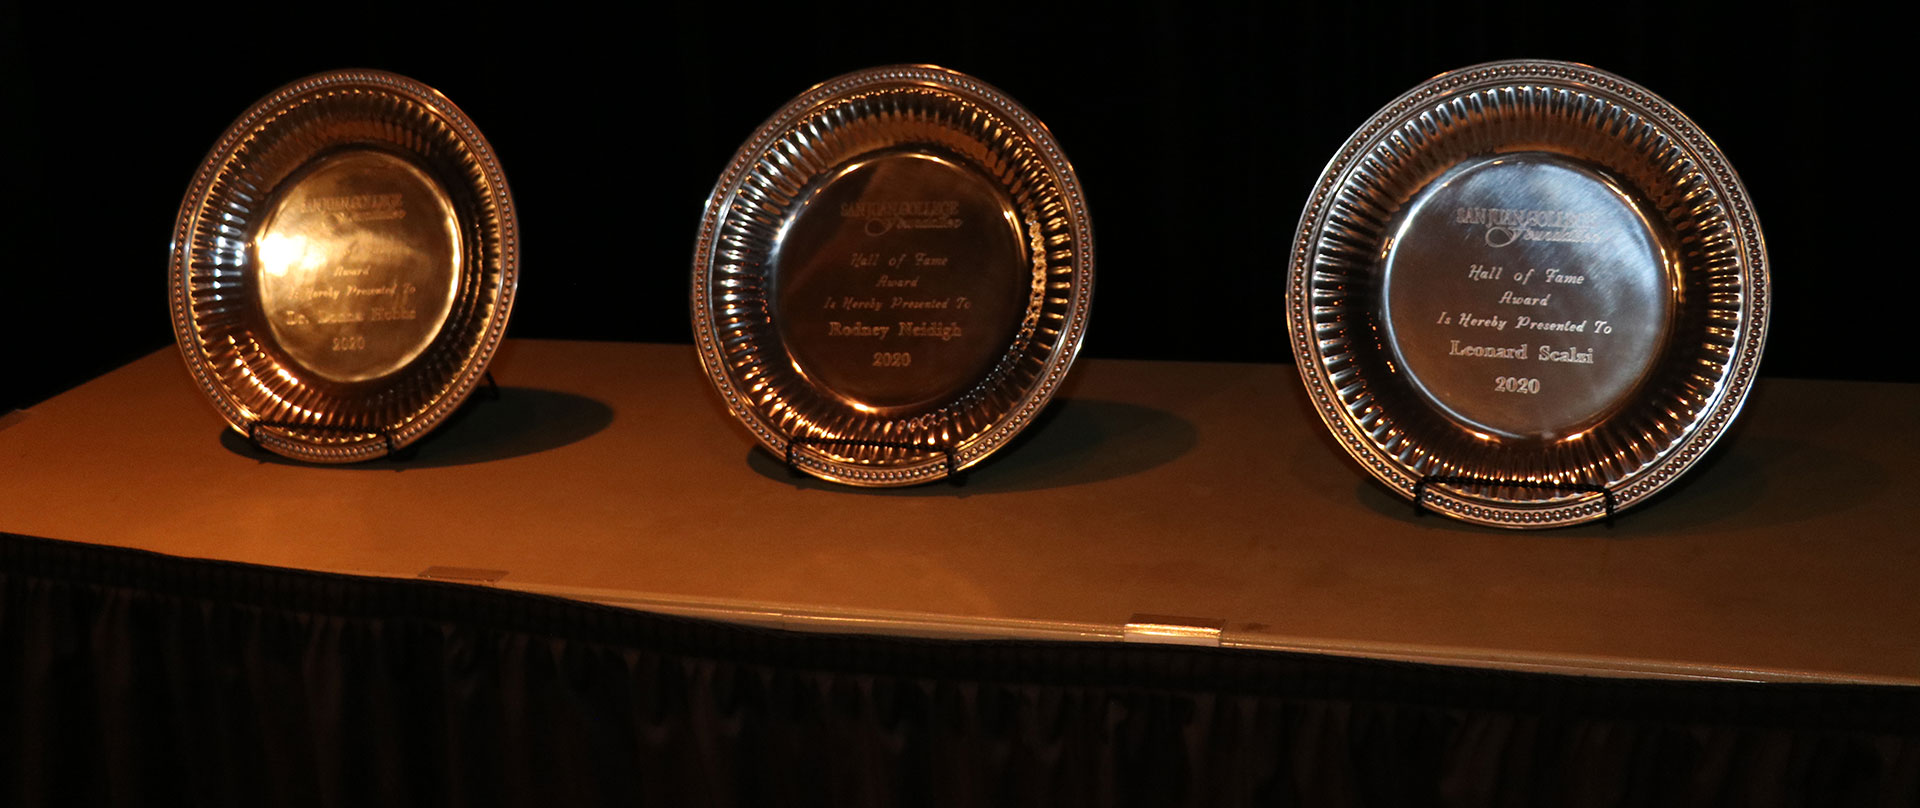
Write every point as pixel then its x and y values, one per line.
pixel 898 280
pixel 358 264
pixel 1527 295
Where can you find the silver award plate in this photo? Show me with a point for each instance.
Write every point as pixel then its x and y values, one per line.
pixel 893 275
pixel 1527 291
pixel 343 266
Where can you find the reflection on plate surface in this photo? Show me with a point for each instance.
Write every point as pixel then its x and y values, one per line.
pixel 357 263
pixel 1528 277
pixel 896 266
pixel 343 266
pixel 960 274
pixel 1583 296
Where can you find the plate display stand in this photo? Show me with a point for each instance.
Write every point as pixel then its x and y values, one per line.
pixel 490 391
pixel 1428 480
pixel 796 443
pixel 385 436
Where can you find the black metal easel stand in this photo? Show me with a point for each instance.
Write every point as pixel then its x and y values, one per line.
pixel 794 443
pixel 1420 490
pixel 490 391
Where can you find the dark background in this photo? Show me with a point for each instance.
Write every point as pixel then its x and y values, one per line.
pixel 1197 132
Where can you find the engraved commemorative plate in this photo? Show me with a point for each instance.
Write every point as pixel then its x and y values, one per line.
pixel 1524 286
pixel 892 276
pixel 343 266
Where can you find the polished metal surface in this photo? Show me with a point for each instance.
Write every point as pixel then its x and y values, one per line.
pixel 343 266
pixel 1526 294
pixel 897 264
pixel 357 262
pixel 1534 274
pixel 895 305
